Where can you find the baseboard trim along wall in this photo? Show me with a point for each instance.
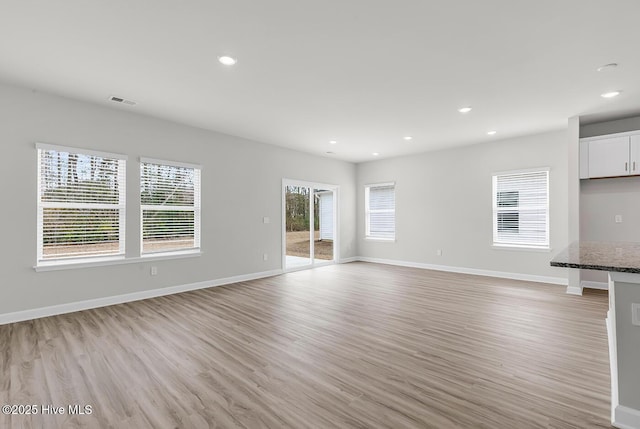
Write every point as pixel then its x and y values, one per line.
pixel 462 270
pixel 54 310
pixel 594 285
pixel 626 418
pixel 585 284
pixel 574 290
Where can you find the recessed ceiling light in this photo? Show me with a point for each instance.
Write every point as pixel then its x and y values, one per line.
pixel 610 94
pixel 227 60
pixel 492 132
pixel 407 138
pixel 333 141
pixel 464 109
pixel 607 67
pixel 375 154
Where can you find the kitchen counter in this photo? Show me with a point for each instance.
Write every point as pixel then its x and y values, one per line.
pixel 622 261
pixel 605 256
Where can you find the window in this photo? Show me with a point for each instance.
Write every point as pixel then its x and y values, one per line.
pixel 521 209
pixel 380 211
pixel 170 206
pixel 81 204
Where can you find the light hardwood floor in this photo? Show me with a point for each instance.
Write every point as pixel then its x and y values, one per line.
pixel 355 345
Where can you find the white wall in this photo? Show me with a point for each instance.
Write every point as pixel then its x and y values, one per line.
pixel 443 201
pixel 601 200
pixel 241 183
pixel 610 127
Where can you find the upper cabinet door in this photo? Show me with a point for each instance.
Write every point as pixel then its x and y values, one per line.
pixel 634 158
pixel 609 157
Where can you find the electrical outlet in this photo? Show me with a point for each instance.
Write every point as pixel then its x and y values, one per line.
pixel 265 257
pixel 266 220
pixel 618 218
pixel 635 314
pixel 154 271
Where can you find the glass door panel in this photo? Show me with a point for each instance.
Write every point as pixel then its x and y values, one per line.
pixel 298 226
pixel 323 225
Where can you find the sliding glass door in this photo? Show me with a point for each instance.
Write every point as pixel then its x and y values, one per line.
pixel 309 227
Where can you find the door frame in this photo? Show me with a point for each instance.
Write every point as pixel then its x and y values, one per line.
pixel 336 235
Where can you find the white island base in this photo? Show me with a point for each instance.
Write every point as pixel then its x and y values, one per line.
pixel 623 326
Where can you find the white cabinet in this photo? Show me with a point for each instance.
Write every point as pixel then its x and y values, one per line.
pixel 610 156
pixel 634 157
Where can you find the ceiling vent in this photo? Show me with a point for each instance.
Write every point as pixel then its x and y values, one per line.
pixel 122 100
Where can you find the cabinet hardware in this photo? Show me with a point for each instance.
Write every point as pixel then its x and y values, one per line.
pixel 634 166
pixel 626 164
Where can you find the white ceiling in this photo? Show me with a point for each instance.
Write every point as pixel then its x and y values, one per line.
pixel 362 72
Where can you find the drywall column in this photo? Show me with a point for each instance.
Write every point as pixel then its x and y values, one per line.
pixel 573 196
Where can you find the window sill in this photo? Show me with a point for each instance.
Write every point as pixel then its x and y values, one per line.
pixel 178 254
pixel 522 248
pixel 115 260
pixel 384 240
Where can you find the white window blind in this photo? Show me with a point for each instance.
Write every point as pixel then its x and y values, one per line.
pixel 170 206
pixel 380 211
pixel 81 203
pixel 521 209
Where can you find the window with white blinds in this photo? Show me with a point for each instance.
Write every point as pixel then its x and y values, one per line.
pixel 380 211
pixel 170 206
pixel 521 209
pixel 81 204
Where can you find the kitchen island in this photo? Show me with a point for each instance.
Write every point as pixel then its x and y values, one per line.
pixel 622 262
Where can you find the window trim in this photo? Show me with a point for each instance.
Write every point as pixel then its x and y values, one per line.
pixel 367 212
pixel 521 246
pixel 121 206
pixel 119 260
pixel 197 209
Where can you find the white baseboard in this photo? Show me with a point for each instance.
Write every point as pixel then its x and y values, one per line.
pixel 626 418
pixel 574 290
pixel 463 270
pixel 53 310
pixel 586 284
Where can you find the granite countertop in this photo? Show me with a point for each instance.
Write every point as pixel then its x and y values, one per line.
pixel 597 255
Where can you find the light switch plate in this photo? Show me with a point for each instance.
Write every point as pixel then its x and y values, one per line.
pixel 266 220
pixel 635 314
